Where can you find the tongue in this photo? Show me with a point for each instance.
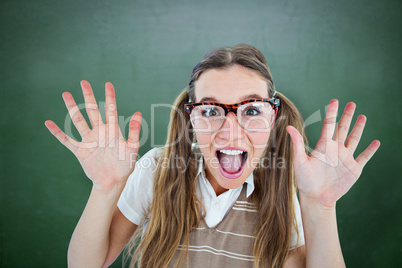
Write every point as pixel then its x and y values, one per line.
pixel 231 163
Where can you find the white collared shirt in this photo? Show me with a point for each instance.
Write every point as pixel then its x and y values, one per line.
pixel 136 197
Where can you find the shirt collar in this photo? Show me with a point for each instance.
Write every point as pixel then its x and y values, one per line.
pixel 249 180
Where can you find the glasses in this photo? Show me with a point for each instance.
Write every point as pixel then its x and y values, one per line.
pixel 253 115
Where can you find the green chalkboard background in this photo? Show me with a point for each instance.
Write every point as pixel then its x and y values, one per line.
pixel 317 50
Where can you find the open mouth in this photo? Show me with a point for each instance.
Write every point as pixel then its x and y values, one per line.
pixel 231 162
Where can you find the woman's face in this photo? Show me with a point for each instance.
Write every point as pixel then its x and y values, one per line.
pixel 229 86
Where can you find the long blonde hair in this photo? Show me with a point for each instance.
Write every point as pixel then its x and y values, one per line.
pixel 175 208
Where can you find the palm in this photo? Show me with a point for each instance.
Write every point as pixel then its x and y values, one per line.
pixel 102 161
pixel 106 157
pixel 331 170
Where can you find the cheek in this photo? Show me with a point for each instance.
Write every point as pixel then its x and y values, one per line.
pixel 259 141
pixel 204 141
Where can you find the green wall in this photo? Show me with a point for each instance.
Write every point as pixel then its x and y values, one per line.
pixel 317 50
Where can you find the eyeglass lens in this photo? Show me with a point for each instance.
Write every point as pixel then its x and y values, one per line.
pixel 254 116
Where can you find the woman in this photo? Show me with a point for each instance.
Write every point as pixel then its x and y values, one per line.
pixel 249 155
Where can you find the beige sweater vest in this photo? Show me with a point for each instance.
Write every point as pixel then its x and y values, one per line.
pixel 229 244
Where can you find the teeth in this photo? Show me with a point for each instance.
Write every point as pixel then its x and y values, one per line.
pixel 231 152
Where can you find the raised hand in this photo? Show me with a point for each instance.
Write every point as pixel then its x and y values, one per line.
pixel 330 170
pixel 106 157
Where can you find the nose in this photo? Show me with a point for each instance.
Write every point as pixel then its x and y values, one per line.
pixel 231 128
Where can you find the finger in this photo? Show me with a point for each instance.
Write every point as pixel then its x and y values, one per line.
pixel 354 137
pixel 330 120
pixel 61 136
pixel 110 104
pixel 344 124
pixel 79 121
pixel 366 155
pixel 299 154
pixel 134 130
pixel 90 104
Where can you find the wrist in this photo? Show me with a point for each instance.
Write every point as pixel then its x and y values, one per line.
pixel 315 208
pixel 111 191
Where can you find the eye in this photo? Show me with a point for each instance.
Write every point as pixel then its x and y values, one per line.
pixel 251 111
pixel 210 111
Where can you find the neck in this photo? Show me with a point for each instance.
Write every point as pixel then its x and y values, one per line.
pixel 214 183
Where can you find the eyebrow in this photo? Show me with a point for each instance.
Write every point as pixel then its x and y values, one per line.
pixel 243 98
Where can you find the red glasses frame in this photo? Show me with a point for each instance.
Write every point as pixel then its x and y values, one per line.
pixel 188 107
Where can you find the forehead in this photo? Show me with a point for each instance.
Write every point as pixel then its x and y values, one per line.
pixel 231 85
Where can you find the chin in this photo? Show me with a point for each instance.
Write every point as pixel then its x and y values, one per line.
pixel 227 180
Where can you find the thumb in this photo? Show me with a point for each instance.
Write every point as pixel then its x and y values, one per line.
pixel 299 154
pixel 134 130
